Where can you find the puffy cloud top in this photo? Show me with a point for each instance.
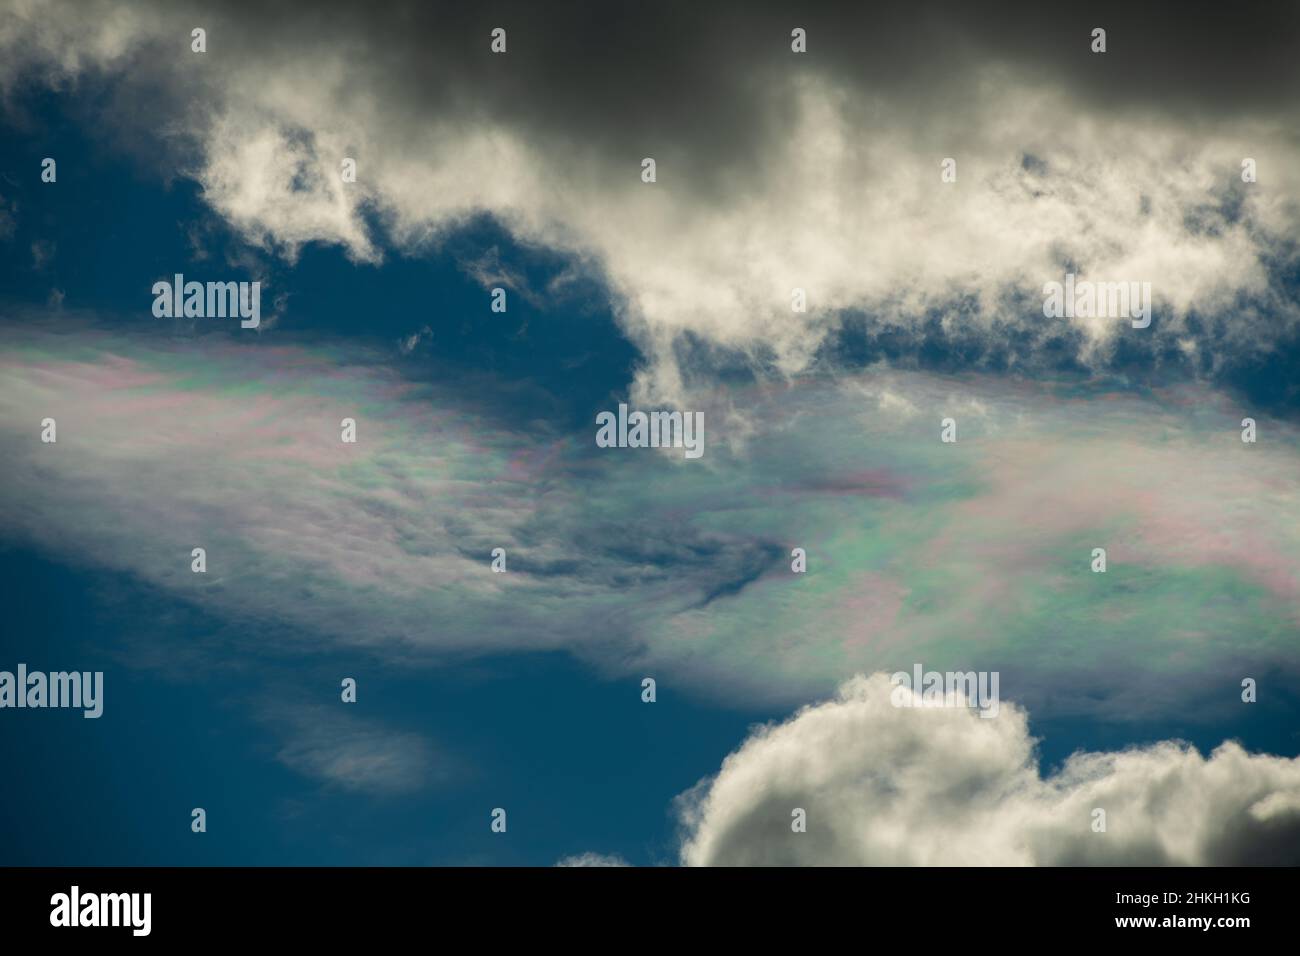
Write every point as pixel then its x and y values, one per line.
pixel 888 785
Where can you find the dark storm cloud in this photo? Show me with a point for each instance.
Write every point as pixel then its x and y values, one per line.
pixel 693 82
pixel 622 75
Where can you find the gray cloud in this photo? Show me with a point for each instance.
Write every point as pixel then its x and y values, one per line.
pixel 611 78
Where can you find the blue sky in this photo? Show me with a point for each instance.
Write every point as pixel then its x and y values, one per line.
pixel 578 760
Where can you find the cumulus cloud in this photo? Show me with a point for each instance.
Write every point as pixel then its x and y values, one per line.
pixel 887 785
pixel 775 170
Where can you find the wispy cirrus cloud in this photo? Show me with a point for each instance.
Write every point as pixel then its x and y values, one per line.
pixel 355 754
pixel 593 859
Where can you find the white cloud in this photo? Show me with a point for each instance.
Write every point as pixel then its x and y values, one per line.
pixel 282 190
pixel 848 205
pixel 593 859
pixel 844 197
pixel 885 785
pixel 354 754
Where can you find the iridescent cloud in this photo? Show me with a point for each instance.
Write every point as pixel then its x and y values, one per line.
pixel 971 555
